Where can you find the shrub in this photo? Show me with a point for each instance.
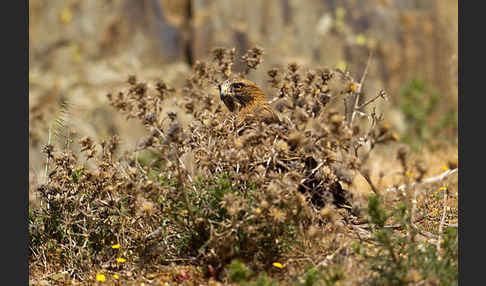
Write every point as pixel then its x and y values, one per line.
pixel 421 105
pixel 208 189
pixel 398 259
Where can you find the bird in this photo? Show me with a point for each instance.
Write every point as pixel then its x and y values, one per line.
pixel 250 98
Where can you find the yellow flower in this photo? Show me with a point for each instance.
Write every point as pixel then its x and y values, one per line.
pixel 354 86
pixel 65 16
pixel 116 246
pixel 445 168
pixel 278 265
pixel 438 191
pixel 184 212
pixel 340 13
pixel 277 214
pixel 360 39
pixel 341 65
pixel 100 277
pixel 121 260
pixel 116 276
pixel 77 57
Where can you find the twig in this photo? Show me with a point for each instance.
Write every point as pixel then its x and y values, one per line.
pixel 346 112
pixel 57 272
pixel 426 181
pixel 413 209
pixel 317 168
pixel 365 223
pixel 188 174
pixel 161 133
pixel 297 258
pixel 47 160
pixel 179 259
pixel 361 232
pixel 358 92
pixel 423 232
pixel 331 256
pixel 181 185
pixel 266 168
pixel 442 220
pixel 367 178
pixel 381 94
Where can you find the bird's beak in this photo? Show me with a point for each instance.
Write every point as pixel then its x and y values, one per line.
pixel 223 90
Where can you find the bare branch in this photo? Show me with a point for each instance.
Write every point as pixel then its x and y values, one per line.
pixel 423 232
pixel 367 178
pixel 360 87
pixel 426 181
pixel 381 94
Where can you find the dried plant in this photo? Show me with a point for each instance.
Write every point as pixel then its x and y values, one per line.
pixel 205 187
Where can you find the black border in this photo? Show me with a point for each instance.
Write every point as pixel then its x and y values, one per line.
pixel 471 124
pixel 462 274
pixel 15 119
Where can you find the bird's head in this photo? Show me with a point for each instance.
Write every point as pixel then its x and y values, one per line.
pixel 242 91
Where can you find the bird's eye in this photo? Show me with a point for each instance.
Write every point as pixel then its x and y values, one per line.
pixel 237 86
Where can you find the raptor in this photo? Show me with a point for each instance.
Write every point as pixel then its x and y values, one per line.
pixel 250 99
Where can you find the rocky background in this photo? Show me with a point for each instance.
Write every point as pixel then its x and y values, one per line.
pixel 81 50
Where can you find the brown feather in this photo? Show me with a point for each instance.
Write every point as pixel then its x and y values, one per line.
pixel 252 101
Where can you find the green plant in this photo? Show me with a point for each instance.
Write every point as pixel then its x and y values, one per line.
pixel 239 272
pixel 398 259
pixel 314 275
pixel 321 276
pixel 421 105
pixel 235 221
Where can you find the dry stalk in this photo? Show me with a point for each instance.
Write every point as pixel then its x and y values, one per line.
pixel 46 179
pixel 424 182
pixel 381 94
pixel 181 186
pixel 424 233
pixel 368 180
pixel 359 91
